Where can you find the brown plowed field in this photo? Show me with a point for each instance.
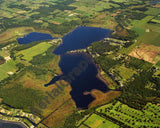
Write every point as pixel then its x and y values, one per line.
pixel 146 52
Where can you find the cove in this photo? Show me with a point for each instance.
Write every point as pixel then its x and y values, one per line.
pixel 34 36
pixel 87 79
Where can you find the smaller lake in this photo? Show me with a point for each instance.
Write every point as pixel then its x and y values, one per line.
pixel 8 124
pixel 154 2
pixel 81 37
pixel 34 36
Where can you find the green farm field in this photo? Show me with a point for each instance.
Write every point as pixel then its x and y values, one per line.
pixel 96 121
pixel 152 11
pixel 7 67
pixel 124 72
pixel 28 54
pixel 140 31
pixel 153 27
pixel 150 38
pixel 141 23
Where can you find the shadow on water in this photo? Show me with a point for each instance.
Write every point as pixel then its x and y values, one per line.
pixel 80 71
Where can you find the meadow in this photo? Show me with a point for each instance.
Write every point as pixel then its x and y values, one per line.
pixel 19 96
pixel 153 27
pixel 124 72
pixel 152 11
pixel 96 121
pixel 140 31
pixel 10 66
pixel 29 53
pixel 150 38
pixel 141 23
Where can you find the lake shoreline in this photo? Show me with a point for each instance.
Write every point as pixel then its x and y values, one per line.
pixel 99 75
pixel 14 122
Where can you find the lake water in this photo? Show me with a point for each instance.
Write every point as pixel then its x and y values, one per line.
pixel 154 2
pixel 6 124
pixel 83 79
pixel 80 37
pixel 34 36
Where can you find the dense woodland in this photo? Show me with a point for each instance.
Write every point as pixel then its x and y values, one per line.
pixel 134 91
pixel 2 60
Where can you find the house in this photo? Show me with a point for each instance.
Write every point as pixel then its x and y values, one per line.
pixel 7 58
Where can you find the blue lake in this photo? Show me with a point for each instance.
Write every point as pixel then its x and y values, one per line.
pixel 80 38
pixel 34 36
pixel 6 124
pixel 154 2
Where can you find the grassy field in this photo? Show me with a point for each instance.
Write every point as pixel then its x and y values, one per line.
pixel 150 38
pixel 152 11
pixel 7 67
pixel 57 119
pixel 96 121
pixel 20 97
pixel 139 31
pixel 153 27
pixel 156 19
pixel 124 72
pixel 141 23
pixel 101 5
pixel 28 54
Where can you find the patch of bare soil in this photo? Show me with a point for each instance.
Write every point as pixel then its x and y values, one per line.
pixel 146 52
